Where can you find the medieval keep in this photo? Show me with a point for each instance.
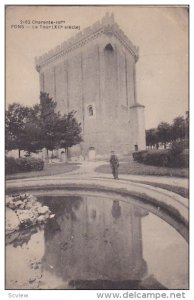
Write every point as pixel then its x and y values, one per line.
pixel 94 74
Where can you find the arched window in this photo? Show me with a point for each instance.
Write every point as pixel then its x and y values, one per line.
pixel 90 110
pixel 109 47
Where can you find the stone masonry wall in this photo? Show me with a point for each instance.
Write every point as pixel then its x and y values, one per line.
pixel 98 81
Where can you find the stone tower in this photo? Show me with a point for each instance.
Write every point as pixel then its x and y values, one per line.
pixel 94 74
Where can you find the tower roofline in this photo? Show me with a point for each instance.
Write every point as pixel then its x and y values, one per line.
pixel 106 26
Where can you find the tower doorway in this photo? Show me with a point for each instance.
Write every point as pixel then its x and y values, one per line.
pixel 91 154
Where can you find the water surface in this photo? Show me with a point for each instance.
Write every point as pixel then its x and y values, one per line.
pixel 97 243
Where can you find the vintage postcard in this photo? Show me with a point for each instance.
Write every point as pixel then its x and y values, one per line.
pixel 97 149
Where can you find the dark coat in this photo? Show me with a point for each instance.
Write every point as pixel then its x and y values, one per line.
pixel 114 162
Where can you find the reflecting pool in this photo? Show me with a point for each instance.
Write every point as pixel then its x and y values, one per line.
pixel 95 242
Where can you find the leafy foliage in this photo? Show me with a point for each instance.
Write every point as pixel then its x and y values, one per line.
pixel 165 132
pixel 69 131
pixel 40 126
pixel 15 119
pixel 178 128
pixel 27 164
pixel 152 137
pixel 154 157
pixel 177 147
pixel 176 157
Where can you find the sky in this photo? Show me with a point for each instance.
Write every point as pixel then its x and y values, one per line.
pixel 161 32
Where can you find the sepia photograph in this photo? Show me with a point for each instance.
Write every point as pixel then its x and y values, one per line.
pixel 97 147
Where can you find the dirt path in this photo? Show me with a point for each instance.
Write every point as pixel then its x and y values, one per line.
pixel 88 170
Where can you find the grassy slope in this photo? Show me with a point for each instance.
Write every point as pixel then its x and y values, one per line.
pixel 49 169
pixel 136 168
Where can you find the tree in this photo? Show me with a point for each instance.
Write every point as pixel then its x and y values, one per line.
pixel 49 122
pixel 23 128
pixel 33 136
pixel 57 131
pixel 69 131
pixel 164 133
pixel 47 105
pixel 37 127
pixel 178 128
pixel 152 137
pixel 16 118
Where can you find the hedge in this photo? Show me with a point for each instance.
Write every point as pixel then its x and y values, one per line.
pixel 181 160
pixel 140 156
pixel 10 165
pixel 163 158
pixel 26 164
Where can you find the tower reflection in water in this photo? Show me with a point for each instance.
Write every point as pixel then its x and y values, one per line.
pixel 95 242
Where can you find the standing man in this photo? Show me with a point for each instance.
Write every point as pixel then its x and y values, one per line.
pixel 114 162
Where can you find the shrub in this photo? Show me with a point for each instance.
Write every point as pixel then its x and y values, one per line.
pixel 30 164
pixel 10 165
pixel 23 164
pixel 177 147
pixel 139 155
pixel 26 164
pixel 158 158
pixel 154 157
pixel 180 154
pixel 181 160
pixel 173 157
